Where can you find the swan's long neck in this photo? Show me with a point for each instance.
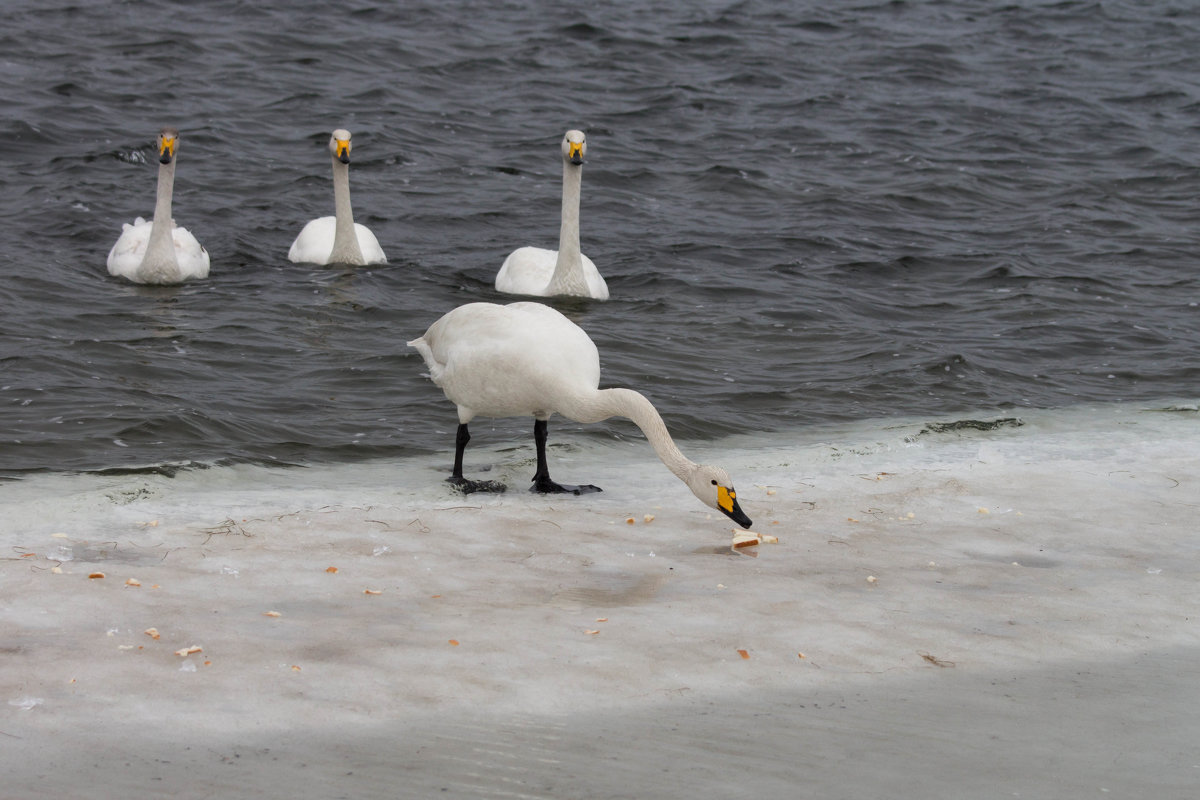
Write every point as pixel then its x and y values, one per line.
pixel 568 275
pixel 606 403
pixel 160 263
pixel 345 238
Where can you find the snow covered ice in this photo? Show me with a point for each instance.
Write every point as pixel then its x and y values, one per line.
pixel 992 611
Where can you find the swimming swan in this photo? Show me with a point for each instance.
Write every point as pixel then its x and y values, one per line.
pixel 337 239
pixel 566 271
pixel 158 251
pixel 527 358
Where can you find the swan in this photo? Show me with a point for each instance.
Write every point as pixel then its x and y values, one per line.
pixel 337 239
pixel 527 358
pixel 566 271
pixel 158 251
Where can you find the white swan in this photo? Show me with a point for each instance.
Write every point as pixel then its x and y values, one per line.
pixel 158 251
pixel 337 239
pixel 566 271
pixel 527 358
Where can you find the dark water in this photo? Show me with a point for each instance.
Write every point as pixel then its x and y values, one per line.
pixel 804 214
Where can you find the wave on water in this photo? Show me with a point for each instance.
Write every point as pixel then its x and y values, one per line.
pixel 805 216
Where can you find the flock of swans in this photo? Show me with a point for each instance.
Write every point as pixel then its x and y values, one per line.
pixel 517 360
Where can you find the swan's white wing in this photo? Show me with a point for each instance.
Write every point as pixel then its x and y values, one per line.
pixel 372 252
pixel 126 255
pixel 125 258
pixel 315 242
pixel 505 361
pixel 192 257
pixel 527 270
pixel 597 288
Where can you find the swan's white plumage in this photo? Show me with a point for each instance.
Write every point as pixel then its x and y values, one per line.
pixel 158 251
pixel 538 272
pixel 529 271
pixel 508 361
pixel 527 359
pixel 315 243
pixel 125 258
pixel 337 239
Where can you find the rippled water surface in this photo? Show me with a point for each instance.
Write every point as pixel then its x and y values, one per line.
pixel 803 214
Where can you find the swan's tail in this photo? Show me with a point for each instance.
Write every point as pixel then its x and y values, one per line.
pixel 422 347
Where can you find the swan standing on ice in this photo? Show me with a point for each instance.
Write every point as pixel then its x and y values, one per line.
pixel 566 271
pixel 337 239
pixel 158 251
pixel 528 359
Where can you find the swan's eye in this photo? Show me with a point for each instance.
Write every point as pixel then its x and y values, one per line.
pixel 714 483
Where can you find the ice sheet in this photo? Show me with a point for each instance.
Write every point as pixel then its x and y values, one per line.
pixel 958 613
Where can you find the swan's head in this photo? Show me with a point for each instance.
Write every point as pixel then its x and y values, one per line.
pixel 168 140
pixel 339 145
pixel 574 147
pixel 715 489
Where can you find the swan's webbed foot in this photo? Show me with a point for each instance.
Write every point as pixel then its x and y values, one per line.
pixel 467 486
pixel 541 478
pixel 543 485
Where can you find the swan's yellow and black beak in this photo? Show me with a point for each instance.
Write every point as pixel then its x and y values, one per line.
pixel 727 502
pixel 166 148
pixel 342 150
pixel 575 152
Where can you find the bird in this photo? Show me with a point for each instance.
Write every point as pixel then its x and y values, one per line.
pixel 337 239
pixel 538 272
pixel 159 251
pixel 525 358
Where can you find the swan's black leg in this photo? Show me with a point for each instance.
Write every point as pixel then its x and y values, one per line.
pixel 456 477
pixel 460 446
pixel 541 480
